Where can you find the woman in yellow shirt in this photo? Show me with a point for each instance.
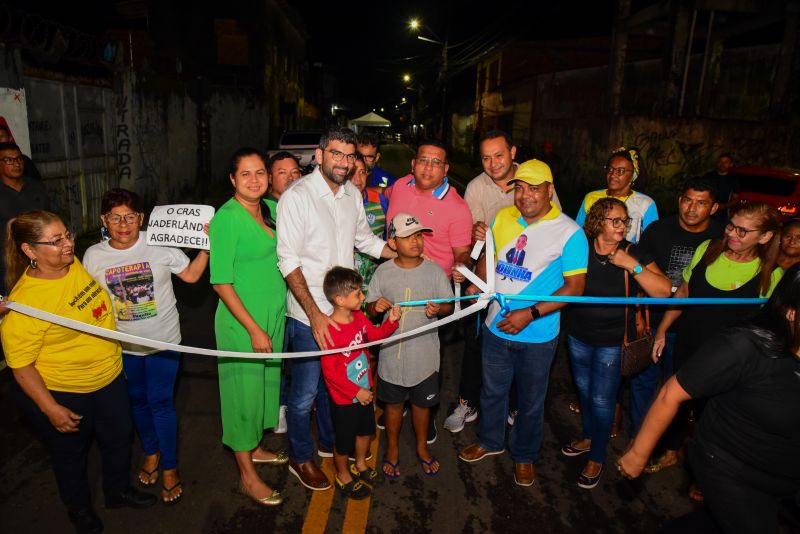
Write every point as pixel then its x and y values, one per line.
pixel 71 384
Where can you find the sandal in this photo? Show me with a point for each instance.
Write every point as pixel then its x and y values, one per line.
pixel 659 464
pixel 371 476
pixel 165 491
pixel 149 478
pixel 430 472
pixel 395 468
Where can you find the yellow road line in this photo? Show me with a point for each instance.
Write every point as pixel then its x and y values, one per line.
pixel 355 517
pixel 320 505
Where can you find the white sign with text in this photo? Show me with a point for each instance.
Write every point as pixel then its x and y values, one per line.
pixel 179 225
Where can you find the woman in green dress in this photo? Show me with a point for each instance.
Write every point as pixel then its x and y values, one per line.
pixel 250 318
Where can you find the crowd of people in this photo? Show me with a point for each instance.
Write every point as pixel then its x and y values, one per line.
pixel 315 262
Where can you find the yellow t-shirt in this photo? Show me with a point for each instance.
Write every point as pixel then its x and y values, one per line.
pixel 68 360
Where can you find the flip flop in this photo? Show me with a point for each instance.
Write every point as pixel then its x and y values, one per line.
pixel 394 467
pixel 169 490
pixel 430 472
pixel 149 474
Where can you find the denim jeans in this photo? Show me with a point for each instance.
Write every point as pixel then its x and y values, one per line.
pixel 528 364
pixel 151 388
pixel 597 376
pixel 643 385
pixel 306 387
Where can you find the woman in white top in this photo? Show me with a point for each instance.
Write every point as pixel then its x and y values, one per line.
pixel 138 277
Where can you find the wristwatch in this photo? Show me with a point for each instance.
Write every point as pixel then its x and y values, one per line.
pixel 637 270
pixel 535 313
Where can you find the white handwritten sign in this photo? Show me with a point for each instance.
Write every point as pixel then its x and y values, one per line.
pixel 179 225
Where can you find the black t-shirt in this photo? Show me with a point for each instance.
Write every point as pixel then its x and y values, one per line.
pixel 672 248
pixel 33 196
pixel 601 324
pixel 753 410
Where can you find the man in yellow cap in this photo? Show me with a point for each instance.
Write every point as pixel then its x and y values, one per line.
pixel 520 341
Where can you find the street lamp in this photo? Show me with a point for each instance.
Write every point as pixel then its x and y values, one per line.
pixel 418 26
pixel 407 78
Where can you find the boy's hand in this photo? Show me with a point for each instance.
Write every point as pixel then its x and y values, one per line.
pixel 432 309
pixel 395 314
pixel 364 396
pixel 457 276
pixel 381 305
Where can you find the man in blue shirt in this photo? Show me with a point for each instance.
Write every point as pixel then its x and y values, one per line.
pixel 369 147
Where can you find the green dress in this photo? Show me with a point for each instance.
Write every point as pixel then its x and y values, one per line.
pixel 244 255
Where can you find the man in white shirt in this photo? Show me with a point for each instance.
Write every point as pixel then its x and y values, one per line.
pixel 321 220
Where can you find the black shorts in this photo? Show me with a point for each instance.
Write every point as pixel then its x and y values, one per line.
pixel 425 394
pixel 349 421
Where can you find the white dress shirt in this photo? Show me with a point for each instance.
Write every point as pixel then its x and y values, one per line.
pixel 317 230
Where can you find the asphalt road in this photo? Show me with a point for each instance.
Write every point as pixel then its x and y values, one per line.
pixel 480 497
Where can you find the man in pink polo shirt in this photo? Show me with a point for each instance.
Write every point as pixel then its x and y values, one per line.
pixel 426 194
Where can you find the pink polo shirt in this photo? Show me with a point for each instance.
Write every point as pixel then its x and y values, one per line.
pixel 443 210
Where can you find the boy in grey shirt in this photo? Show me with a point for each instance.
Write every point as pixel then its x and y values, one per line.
pixel 409 369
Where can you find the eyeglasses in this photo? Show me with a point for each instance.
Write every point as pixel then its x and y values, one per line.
pixel 617 222
pixel 12 161
pixel 337 156
pixel 791 237
pixel 129 218
pixel 69 237
pixel 616 171
pixel 435 162
pixel 740 231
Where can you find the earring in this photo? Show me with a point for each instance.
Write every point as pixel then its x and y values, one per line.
pixel 34 263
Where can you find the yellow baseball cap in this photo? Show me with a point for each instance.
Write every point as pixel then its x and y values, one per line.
pixel 533 172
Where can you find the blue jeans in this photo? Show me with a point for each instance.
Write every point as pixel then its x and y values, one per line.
pixel 597 376
pixel 528 364
pixel 151 388
pixel 643 385
pixel 306 386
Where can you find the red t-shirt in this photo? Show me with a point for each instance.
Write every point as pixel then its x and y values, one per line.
pixel 347 372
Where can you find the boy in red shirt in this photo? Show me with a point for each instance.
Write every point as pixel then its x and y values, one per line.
pixel 349 380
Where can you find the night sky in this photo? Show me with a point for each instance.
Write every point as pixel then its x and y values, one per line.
pixel 370 46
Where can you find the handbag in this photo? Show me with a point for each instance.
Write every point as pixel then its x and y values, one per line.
pixel 635 355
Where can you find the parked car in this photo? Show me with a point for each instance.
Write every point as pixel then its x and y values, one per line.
pixel 779 187
pixel 303 144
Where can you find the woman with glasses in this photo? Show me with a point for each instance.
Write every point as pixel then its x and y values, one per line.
pixel 138 277
pixel 71 386
pixel 595 332
pixel 742 264
pixel 790 244
pixel 744 447
pixel 622 170
pixel 250 318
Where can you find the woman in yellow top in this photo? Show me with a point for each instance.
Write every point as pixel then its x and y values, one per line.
pixel 72 389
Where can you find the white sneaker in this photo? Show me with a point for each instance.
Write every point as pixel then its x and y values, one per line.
pixel 281 428
pixel 461 415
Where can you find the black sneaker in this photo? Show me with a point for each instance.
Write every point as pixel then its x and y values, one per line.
pixel 432 432
pixel 355 489
pixel 85 520
pixel 132 498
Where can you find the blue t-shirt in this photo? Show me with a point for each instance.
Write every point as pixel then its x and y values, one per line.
pixel 380 178
pixel 534 259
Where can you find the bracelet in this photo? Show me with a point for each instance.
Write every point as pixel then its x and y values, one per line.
pixel 535 313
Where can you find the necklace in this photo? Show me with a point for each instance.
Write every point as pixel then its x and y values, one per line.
pixel 602 259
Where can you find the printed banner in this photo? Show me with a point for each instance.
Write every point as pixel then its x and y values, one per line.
pixel 179 225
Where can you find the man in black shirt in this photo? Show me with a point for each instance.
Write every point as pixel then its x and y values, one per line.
pixel 671 243
pixel 726 184
pixel 18 193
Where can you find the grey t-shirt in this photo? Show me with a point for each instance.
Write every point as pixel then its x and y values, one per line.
pixel 412 360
